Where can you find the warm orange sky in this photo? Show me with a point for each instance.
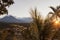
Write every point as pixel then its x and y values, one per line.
pixel 21 8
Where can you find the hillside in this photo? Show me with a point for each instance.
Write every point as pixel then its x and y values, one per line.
pixel 12 19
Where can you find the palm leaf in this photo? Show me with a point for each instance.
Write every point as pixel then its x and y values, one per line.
pixel 53 8
pixel 58 7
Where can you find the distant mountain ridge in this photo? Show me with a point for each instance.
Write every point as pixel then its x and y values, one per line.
pixel 12 19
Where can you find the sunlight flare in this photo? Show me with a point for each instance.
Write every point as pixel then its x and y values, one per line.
pixel 56 23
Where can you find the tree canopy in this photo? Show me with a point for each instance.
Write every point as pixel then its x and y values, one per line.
pixel 3 5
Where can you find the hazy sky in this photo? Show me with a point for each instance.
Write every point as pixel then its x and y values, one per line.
pixel 21 8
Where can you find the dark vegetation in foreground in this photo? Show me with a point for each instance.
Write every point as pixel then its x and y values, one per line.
pixel 38 29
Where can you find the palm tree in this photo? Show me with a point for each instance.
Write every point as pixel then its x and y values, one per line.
pixel 37 21
pixel 3 5
pixel 49 30
pixel 56 11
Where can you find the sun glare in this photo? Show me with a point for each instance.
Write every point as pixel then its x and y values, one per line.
pixel 56 21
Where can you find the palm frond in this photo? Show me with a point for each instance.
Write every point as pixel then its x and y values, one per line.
pixel 58 7
pixel 37 21
pixel 54 10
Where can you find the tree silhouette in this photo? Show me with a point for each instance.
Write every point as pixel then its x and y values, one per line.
pixel 37 22
pixel 3 6
pixel 56 11
pixel 49 31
